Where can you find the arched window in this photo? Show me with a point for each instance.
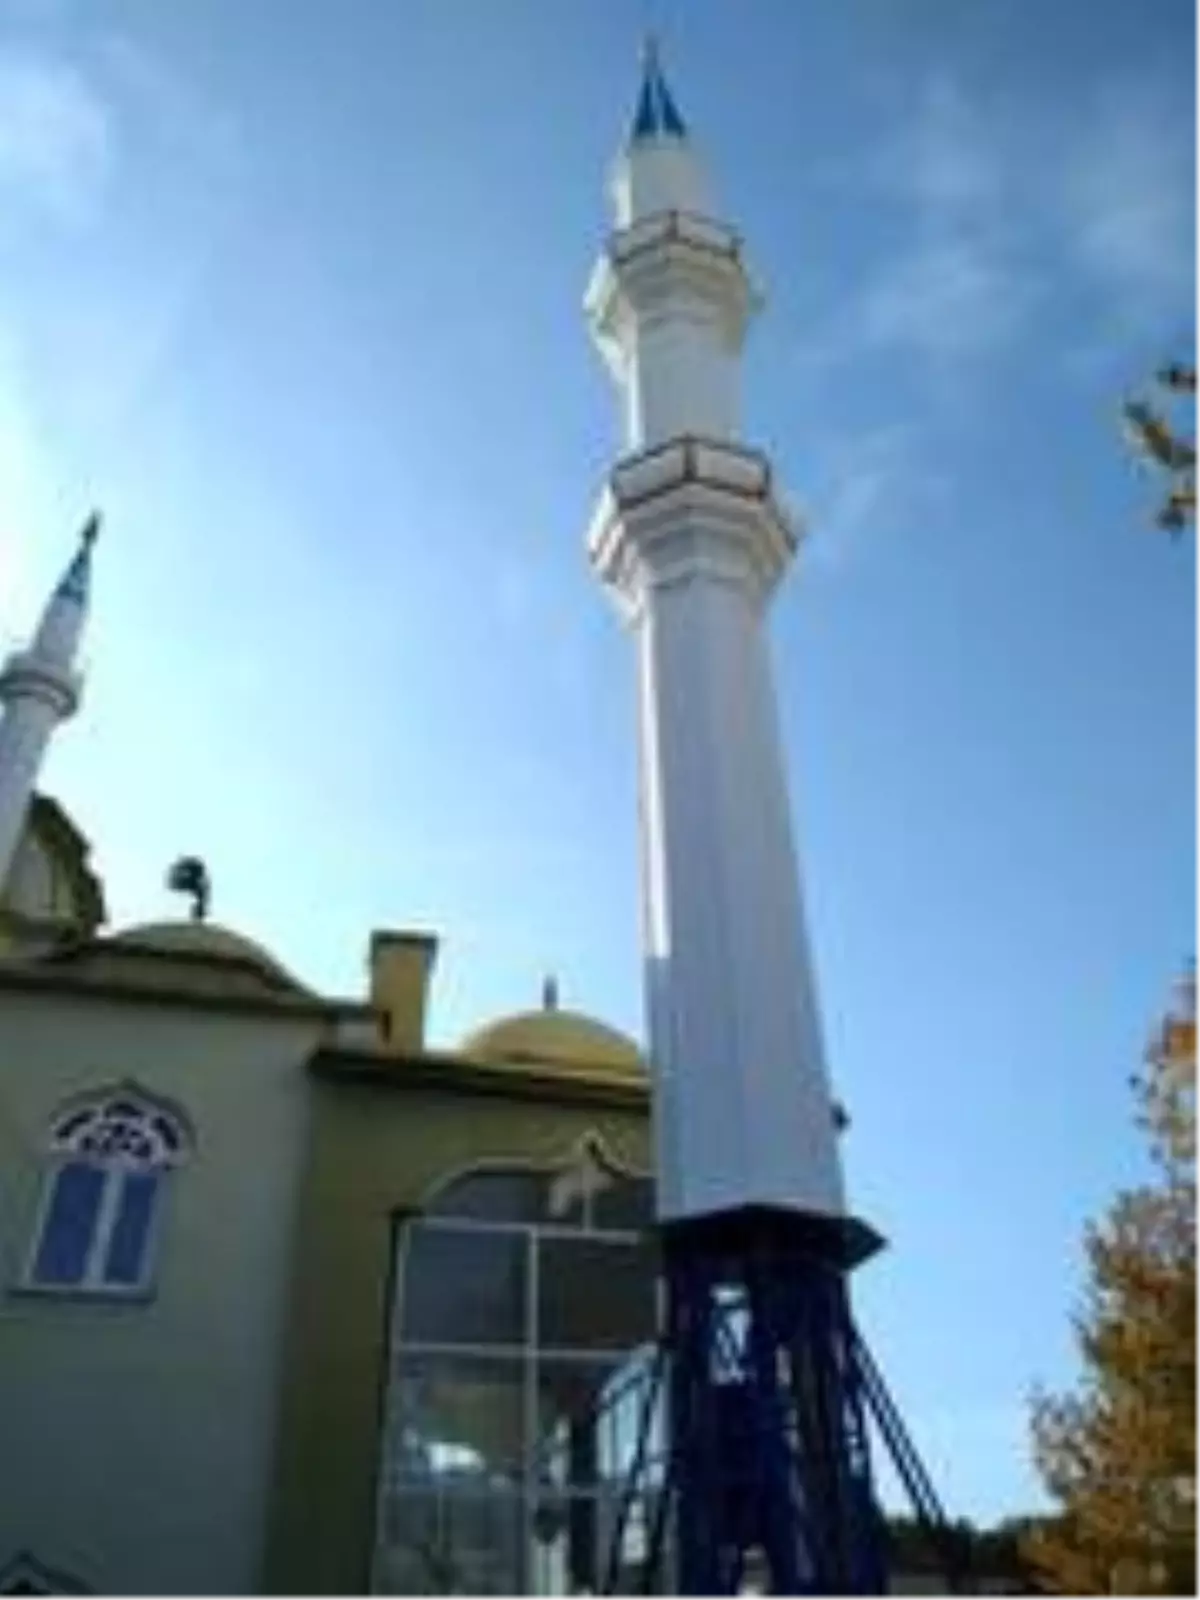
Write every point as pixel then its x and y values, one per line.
pixel 520 1295
pixel 110 1159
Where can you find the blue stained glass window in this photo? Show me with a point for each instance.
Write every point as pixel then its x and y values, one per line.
pixel 70 1224
pixel 97 1223
pixel 126 1259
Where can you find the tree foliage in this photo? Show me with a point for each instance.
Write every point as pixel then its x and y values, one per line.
pixel 1119 1454
pixel 1157 441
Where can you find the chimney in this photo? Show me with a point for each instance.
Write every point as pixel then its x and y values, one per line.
pixel 400 967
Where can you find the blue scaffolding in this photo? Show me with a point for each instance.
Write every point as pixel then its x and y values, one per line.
pixel 762 1476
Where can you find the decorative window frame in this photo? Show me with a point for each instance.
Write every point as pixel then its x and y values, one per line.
pixel 77 1138
pixel 583 1168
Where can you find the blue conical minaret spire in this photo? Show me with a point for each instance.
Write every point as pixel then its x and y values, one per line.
pixel 58 634
pixel 657 115
pixel 658 168
pixel 76 580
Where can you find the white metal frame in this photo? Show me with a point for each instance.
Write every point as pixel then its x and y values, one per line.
pixel 525 1357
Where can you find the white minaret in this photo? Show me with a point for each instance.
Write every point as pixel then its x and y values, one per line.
pixel 691 538
pixel 38 688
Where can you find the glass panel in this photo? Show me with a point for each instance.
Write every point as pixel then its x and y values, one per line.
pixel 451 1542
pixel 464 1286
pixel 593 1294
pixel 571 1421
pixel 126 1259
pixel 70 1224
pixel 646 1539
pixel 634 1406
pixel 457 1419
pixel 568 1557
pixel 628 1205
pixel 493 1197
pixel 573 1539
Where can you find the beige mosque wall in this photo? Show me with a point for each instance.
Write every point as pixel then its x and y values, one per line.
pixel 384 1136
pixel 137 1439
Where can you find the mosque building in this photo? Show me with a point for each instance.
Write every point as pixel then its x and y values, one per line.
pixel 287 1293
pixel 290 1300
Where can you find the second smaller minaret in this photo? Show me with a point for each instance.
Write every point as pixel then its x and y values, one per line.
pixel 39 688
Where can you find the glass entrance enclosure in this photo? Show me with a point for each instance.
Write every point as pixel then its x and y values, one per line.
pixel 524 1303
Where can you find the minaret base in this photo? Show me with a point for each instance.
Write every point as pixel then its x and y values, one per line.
pixel 761 1475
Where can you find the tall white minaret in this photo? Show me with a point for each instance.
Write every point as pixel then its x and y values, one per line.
pixel 39 687
pixel 691 538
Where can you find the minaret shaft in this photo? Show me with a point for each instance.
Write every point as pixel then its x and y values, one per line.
pixel 691 538
pixel 39 688
pixel 24 734
pixel 743 1099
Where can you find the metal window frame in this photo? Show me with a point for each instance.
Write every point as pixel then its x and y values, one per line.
pixel 525 1358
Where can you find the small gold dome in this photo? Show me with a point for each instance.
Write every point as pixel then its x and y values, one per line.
pixel 204 939
pixel 566 1040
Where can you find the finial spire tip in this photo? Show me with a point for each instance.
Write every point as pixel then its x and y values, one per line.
pixel 656 114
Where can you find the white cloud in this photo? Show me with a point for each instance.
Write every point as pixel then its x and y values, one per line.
pixel 946 161
pixel 167 102
pixel 78 137
pixel 954 288
pixel 874 483
pixel 56 135
pixel 25 494
pixel 953 295
pixel 1127 192
pixel 1004 211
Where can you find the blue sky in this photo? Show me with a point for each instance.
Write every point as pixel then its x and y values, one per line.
pixel 294 293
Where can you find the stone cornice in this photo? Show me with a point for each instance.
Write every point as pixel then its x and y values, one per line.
pixel 29 675
pixel 688 508
pixel 52 979
pixel 456 1074
pixel 661 261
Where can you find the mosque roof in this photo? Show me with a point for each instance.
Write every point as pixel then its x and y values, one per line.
pixel 208 940
pixel 51 829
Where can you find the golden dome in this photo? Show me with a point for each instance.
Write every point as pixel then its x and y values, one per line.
pixel 566 1040
pixel 207 939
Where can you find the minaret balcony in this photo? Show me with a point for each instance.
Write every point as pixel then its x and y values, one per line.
pixel 666 261
pixel 29 675
pixel 691 508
